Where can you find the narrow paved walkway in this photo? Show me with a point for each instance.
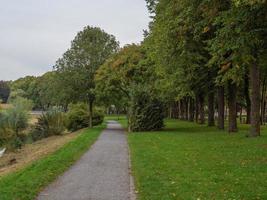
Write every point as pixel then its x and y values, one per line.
pixel 101 174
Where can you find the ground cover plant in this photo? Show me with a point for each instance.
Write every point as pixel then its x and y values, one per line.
pixel 27 183
pixel 189 161
pixel 48 124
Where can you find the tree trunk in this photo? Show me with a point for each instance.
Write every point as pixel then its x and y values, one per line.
pixel 191 109
pixel 170 110
pixel 226 112
pixel 211 121
pixel 186 108
pixel 264 113
pixel 178 110
pixel 255 100
pixel 263 93
pixel 232 91
pixel 201 109
pixel 182 109
pixel 175 110
pixel 240 115
pixel 129 120
pixel 221 108
pixel 90 124
pixel 247 98
pixel 197 109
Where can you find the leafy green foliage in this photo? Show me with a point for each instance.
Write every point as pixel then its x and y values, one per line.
pixel 89 50
pixel 124 76
pixel 77 117
pixel 43 91
pixel 119 74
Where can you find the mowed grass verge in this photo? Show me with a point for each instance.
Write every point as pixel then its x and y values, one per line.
pixel 28 182
pixel 187 161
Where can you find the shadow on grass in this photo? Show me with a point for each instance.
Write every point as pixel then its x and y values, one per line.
pixel 177 127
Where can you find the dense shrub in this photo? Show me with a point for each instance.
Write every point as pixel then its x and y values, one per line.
pixel 48 124
pixel 13 122
pixel 147 113
pixel 78 117
pixel 98 117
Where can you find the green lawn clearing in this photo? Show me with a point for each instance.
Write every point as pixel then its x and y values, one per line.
pixel 186 161
pixel 28 182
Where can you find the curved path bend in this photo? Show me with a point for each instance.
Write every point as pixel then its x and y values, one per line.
pixel 101 174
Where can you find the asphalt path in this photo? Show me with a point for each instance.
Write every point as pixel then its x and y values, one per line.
pixel 103 173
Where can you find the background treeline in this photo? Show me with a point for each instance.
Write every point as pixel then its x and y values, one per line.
pixel 40 90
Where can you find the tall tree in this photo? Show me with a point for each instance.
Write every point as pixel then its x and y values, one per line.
pixel 89 50
pixel 221 105
pixel 239 43
pixel 129 75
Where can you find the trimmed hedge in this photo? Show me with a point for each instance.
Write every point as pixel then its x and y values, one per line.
pixel 147 113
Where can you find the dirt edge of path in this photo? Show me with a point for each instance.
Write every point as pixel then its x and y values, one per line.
pixel 14 161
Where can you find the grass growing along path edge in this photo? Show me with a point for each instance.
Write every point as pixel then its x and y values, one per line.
pixel 28 182
pixel 186 161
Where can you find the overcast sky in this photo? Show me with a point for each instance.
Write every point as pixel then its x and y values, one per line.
pixel 35 33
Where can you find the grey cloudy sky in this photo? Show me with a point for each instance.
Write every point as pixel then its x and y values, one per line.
pixel 35 33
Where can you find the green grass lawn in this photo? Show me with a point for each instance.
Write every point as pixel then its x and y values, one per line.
pixel 27 183
pixel 188 161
